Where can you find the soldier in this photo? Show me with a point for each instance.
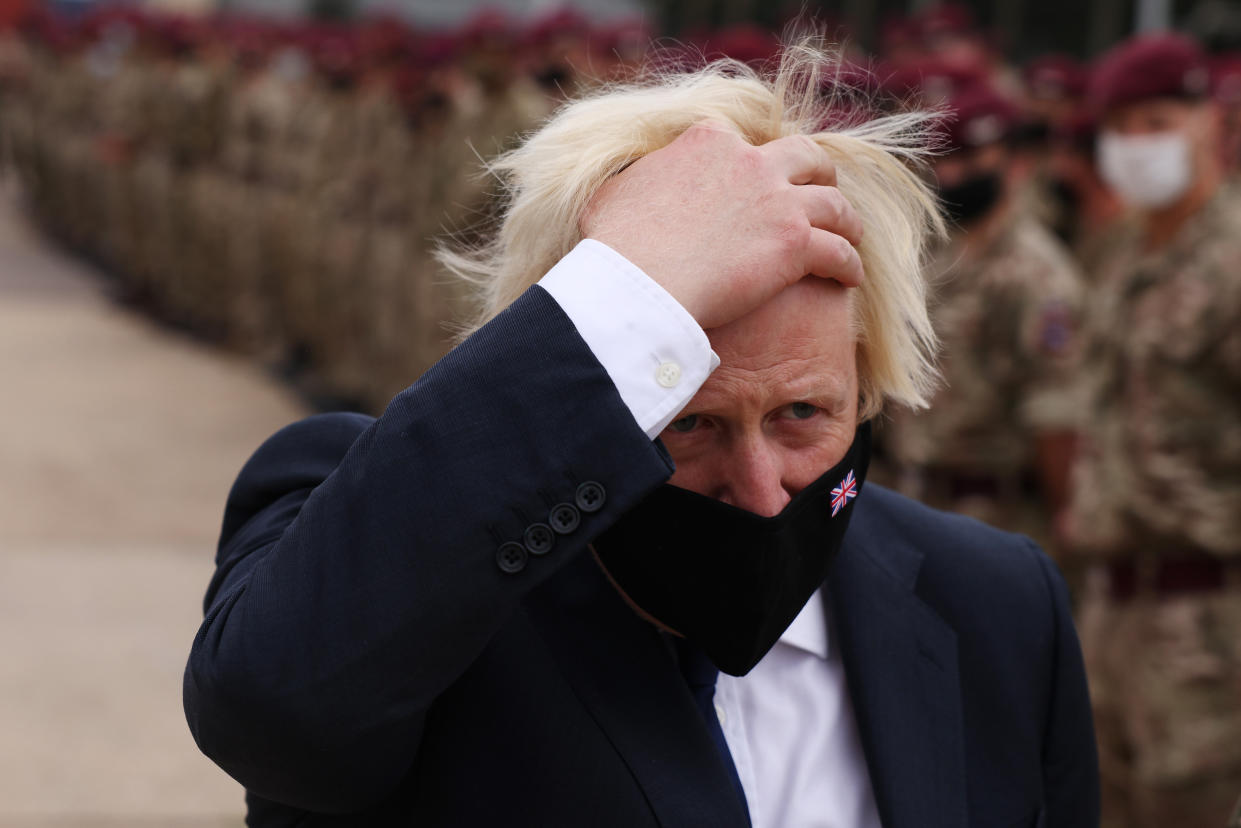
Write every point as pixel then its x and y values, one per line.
pixel 284 113
pixel 1226 87
pixel 1006 304
pixel 1054 85
pixel 14 61
pixel 556 51
pixel 952 37
pixel 337 217
pixel 1157 488
pixel 221 277
pixel 199 87
pixel 127 107
pixel 152 176
pixel 1088 208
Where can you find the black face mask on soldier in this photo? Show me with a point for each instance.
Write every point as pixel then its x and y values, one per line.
pixel 972 198
pixel 727 579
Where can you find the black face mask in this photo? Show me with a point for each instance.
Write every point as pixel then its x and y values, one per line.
pixel 1064 193
pixel 727 579
pixel 972 198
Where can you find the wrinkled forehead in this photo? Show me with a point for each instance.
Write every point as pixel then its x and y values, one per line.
pixel 806 335
pixel 811 306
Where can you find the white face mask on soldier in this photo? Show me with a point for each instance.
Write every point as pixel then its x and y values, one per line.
pixel 1146 171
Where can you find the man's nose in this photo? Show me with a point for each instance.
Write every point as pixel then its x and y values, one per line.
pixel 754 478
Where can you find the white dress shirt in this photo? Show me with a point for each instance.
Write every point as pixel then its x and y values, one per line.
pixel 790 728
pixel 789 723
pixel 650 346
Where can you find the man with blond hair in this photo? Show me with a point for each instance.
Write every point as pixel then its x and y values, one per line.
pixel 509 599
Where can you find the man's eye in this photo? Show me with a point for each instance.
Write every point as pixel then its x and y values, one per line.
pixel 802 410
pixel 684 424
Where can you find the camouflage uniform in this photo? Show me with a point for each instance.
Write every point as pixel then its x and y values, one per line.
pixel 274 117
pixel 388 313
pixel 14 61
pixel 1006 312
pixel 197 93
pixel 1157 503
pixel 152 184
pixel 64 178
pixel 284 203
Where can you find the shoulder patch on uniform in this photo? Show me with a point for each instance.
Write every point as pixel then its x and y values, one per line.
pixel 1055 327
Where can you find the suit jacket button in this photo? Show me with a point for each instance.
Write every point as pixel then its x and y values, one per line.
pixel 564 518
pixel 539 538
pixel 590 496
pixel 511 558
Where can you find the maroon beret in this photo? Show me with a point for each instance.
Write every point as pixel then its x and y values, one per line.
pixel 1226 78
pixel 1148 67
pixel 628 39
pixel 977 116
pixel 851 90
pixel 565 22
pixel 385 37
pixel 487 28
pixel 1055 77
pixel 929 82
pixel 744 42
pixel 436 50
pixel 336 54
pixel 854 76
pixel 898 33
pixel 945 19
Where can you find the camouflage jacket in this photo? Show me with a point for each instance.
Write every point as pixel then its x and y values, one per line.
pixel 1007 316
pixel 1162 454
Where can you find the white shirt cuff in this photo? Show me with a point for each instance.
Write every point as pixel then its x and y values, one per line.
pixel 656 354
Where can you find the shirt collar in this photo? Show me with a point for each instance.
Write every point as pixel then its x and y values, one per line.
pixel 808 631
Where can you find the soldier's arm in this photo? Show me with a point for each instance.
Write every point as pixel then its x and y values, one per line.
pixel 1048 391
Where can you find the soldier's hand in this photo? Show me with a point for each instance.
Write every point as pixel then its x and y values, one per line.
pixel 724 226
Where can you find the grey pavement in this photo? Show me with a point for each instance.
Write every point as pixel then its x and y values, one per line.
pixel 118 441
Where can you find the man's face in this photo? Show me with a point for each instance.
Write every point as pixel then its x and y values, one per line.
pixel 961 166
pixel 782 407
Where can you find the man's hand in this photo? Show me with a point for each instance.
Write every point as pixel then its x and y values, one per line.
pixel 724 226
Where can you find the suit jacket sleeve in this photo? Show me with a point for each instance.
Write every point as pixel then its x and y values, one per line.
pixel 1070 756
pixel 357 575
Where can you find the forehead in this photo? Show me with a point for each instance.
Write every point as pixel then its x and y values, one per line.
pixel 1164 113
pixel 799 344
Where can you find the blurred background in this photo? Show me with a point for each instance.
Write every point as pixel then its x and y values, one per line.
pixel 216 217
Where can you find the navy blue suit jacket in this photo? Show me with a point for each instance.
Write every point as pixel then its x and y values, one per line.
pixel 365 660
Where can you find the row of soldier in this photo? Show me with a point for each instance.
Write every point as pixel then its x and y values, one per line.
pixel 282 189
pixel 1092 391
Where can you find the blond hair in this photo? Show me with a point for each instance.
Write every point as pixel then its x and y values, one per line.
pixel 551 177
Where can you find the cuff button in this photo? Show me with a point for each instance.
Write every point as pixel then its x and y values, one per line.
pixel 590 497
pixel 539 538
pixel 511 558
pixel 668 374
pixel 564 518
